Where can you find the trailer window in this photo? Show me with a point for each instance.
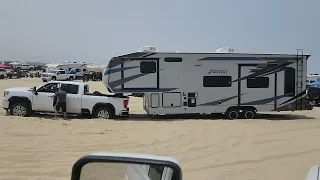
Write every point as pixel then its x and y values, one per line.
pixel 217 81
pixel 62 72
pixel 172 59
pixel 148 67
pixel 155 172
pixel 258 82
pixel 290 81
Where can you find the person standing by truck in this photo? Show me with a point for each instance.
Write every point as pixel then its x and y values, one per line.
pixel 61 103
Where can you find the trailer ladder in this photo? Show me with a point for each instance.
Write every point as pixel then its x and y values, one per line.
pixel 299 77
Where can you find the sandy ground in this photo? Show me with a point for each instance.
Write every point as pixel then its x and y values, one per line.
pixel 275 146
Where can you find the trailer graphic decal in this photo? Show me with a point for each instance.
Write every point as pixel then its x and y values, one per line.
pixel 143 90
pixel 125 58
pixel 118 82
pixel 230 58
pixel 114 70
pixel 264 101
pixel 269 69
pixel 217 102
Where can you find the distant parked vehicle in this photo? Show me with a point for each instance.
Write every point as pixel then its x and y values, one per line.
pixel 59 75
pixel 3 73
pixel 15 73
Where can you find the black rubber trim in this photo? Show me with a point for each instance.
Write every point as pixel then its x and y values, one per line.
pixel 76 169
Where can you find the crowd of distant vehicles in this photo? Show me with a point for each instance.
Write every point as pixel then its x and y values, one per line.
pixel 59 72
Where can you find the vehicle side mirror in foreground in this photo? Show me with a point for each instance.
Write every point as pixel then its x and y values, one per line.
pixel 313 173
pixel 123 166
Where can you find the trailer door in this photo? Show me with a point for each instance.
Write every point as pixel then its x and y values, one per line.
pixel 257 91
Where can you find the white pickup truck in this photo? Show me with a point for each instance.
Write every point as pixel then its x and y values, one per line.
pixel 57 75
pixel 25 101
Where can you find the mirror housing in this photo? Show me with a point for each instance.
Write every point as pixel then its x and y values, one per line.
pixel 34 90
pixel 131 161
pixel 313 173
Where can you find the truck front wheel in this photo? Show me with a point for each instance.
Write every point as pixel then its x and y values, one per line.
pixel 20 109
pixel 104 113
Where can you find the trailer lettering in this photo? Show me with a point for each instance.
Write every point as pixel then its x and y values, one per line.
pixel 218 71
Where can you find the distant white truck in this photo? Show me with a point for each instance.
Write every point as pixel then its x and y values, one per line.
pixel 57 75
pixel 25 101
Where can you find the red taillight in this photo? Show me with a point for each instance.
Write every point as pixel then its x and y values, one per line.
pixel 125 103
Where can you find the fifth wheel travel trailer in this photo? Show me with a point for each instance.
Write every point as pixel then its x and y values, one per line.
pixel 237 84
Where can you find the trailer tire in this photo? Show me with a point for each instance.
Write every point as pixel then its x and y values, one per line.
pixel 249 113
pixel 232 113
pixel 104 113
pixel 309 106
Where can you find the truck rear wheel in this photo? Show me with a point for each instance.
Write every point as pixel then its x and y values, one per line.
pixel 104 113
pixel 71 78
pixel 1 76
pixel 54 78
pixel 20 109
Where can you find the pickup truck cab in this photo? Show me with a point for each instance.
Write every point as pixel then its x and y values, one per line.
pixel 57 75
pixel 25 101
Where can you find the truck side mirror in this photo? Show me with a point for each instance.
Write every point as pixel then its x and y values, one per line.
pixel 35 90
pixel 313 173
pixel 125 166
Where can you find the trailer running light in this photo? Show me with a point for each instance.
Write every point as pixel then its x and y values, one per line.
pixel 125 103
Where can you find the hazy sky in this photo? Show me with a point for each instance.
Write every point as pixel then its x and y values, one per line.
pixel 96 30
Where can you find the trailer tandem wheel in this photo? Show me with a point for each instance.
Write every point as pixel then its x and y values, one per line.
pixel 232 113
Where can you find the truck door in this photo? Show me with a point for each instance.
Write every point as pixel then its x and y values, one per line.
pixel 258 91
pixel 74 98
pixel 62 75
pixel 42 101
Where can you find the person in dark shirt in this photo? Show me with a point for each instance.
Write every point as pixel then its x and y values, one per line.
pixel 61 97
